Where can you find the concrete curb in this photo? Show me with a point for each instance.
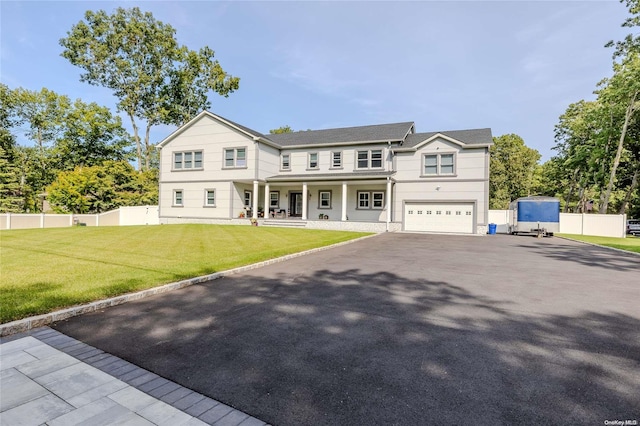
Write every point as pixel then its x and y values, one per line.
pixel 26 324
pixel 598 245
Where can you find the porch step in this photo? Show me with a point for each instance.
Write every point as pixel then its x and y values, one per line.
pixel 283 223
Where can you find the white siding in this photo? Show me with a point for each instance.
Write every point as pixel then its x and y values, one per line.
pixel 194 200
pixel 211 137
pixel 469 163
pixel 269 164
pixel 300 159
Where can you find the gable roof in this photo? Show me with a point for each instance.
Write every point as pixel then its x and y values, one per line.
pixel 242 129
pixel 392 132
pixel 363 134
pixel 480 137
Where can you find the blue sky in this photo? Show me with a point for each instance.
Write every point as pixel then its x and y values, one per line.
pixel 511 66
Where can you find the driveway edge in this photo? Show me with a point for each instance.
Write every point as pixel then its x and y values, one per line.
pixel 26 324
pixel 599 245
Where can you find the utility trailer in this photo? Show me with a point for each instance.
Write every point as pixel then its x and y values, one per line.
pixel 539 216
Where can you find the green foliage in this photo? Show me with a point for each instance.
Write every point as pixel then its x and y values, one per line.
pixel 631 41
pixel 64 135
pixel 155 79
pixel 280 130
pixel 90 136
pixel 513 170
pixel 97 189
pixel 10 194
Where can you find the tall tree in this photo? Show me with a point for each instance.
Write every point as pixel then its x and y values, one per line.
pixel 512 169
pixel 156 80
pixel 90 136
pixel 623 90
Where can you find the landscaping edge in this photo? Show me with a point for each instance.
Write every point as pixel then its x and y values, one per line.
pixel 26 324
pixel 599 245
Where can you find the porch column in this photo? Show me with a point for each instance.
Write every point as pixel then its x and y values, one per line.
pixel 305 200
pixel 388 202
pixel 344 201
pixel 267 201
pixel 254 207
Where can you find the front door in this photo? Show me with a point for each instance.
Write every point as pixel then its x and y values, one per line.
pixel 295 204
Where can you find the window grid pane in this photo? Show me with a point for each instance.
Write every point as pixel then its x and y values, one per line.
pixel 274 199
pixel 187 160
pixel 378 200
pixel 363 159
pixel 376 158
pixel 446 163
pixel 313 160
pixel 363 200
pixel 241 157
pixel 211 198
pixel 430 164
pixel 285 161
pixel 325 199
pixel 337 159
pixel 228 157
pixel 197 159
pixel 177 197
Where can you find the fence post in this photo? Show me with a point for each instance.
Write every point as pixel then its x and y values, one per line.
pixel 97 219
pixel 71 219
pixel 41 220
pixel 8 220
pixel 582 225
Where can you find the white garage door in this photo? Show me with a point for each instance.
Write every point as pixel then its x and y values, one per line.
pixel 431 217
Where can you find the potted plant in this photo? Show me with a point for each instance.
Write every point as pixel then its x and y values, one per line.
pixel 254 222
pixel 241 215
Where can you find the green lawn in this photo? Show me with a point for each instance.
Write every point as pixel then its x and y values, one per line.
pixel 47 269
pixel 629 244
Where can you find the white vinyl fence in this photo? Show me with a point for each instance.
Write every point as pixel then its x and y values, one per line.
pixel 138 215
pixel 598 225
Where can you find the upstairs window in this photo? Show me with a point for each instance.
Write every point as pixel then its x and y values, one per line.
pixel 336 160
pixel 285 162
pixel 235 157
pixel 363 159
pixel 187 160
pixel 439 164
pixel 370 159
pixel 313 160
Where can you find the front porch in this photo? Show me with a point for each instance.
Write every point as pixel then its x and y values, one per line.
pixel 319 199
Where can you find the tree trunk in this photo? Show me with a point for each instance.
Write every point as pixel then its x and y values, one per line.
pixel 147 147
pixel 632 187
pixel 581 200
pixel 616 161
pixel 136 138
pixel 567 199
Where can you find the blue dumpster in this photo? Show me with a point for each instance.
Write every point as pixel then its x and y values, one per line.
pixel 492 228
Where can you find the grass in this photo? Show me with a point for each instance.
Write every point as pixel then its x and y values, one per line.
pixel 47 269
pixel 629 244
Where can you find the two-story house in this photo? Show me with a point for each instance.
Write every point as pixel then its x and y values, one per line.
pixel 377 178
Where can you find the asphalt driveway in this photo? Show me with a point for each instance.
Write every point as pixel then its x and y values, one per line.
pixel 401 329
